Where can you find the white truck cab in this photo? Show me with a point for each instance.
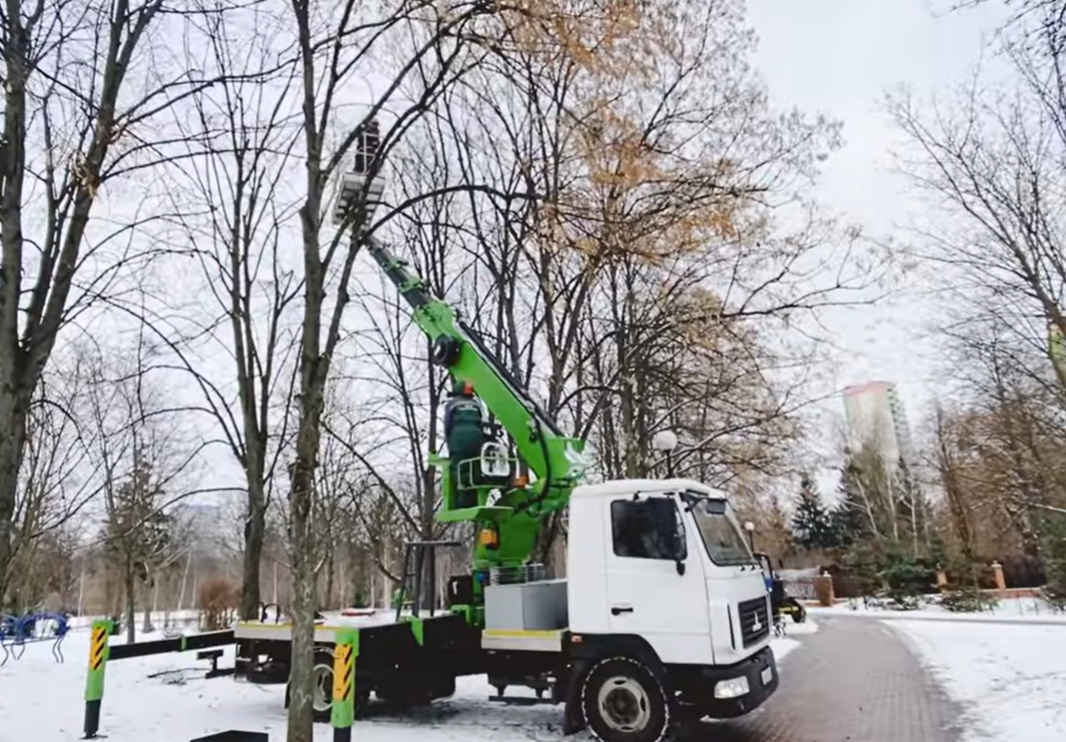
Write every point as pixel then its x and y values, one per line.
pixel 665 560
pixel 663 614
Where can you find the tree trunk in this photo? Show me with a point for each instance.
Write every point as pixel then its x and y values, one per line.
pixel 302 546
pixel 146 625
pixel 426 574
pixel 131 602
pixel 356 575
pixel 14 398
pixel 544 547
pixel 301 720
pixel 14 404
pixel 184 580
pixel 254 534
pixel 330 567
pixel 910 490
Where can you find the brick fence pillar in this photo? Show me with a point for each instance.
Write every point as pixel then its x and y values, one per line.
pixel 823 589
pixel 997 574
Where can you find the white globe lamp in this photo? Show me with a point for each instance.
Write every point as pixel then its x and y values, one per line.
pixel 665 441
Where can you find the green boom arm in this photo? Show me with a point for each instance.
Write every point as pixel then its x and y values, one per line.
pixel 554 458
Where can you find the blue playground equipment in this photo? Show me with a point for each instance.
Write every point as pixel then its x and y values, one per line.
pixel 33 628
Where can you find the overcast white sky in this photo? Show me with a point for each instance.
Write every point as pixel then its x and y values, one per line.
pixel 840 57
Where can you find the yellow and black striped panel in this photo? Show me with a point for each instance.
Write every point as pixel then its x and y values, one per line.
pixel 343 672
pixel 97 648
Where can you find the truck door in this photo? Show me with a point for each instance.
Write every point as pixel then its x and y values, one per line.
pixel 654 588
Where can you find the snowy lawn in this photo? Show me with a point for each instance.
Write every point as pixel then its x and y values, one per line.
pixel 1012 610
pixel 42 701
pixel 1010 678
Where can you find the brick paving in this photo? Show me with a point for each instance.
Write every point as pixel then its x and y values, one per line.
pixel 853 681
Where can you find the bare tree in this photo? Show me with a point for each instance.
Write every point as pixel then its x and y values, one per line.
pixel 434 44
pixel 947 457
pixel 334 43
pixel 85 104
pixel 400 420
pixel 615 182
pixel 1039 25
pixel 234 212
pixel 994 161
pixel 56 480
pixel 145 464
pixel 1003 443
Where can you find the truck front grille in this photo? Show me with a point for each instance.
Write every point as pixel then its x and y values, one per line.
pixel 754 620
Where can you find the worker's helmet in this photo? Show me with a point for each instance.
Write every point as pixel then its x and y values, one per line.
pixel 463 388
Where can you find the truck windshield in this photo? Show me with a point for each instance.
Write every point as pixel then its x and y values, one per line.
pixel 724 541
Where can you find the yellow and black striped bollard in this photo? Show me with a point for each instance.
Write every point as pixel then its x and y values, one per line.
pixel 94 681
pixel 345 651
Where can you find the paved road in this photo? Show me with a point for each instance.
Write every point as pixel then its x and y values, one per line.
pixel 852 681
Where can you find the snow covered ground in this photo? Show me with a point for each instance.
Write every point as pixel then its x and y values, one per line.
pixel 165 699
pixel 158 618
pixel 1011 678
pixel 1015 610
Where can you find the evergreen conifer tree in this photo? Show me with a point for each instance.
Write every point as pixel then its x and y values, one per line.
pixel 812 523
pixel 850 518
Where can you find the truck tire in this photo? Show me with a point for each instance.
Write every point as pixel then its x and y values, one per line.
pixel 322 695
pixel 623 701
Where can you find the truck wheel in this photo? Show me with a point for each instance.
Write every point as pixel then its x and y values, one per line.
pixel 623 701
pixel 322 685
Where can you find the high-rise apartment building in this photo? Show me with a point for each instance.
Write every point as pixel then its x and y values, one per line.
pixel 875 418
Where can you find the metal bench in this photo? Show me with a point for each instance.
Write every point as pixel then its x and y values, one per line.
pixel 213 656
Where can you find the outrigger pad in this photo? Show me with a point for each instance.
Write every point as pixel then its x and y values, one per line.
pixel 234 736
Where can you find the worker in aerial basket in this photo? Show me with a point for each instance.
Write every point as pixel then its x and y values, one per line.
pixel 464 431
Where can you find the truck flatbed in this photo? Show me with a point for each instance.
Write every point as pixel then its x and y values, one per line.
pixel 383 641
pixel 376 623
pixel 325 630
pixel 407 661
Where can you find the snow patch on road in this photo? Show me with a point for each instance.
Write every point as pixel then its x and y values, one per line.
pixel 1010 678
pixel 784 645
pixel 800 629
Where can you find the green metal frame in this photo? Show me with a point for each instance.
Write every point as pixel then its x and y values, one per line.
pixel 552 457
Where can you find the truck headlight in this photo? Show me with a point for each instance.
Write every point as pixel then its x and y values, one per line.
pixel 731 688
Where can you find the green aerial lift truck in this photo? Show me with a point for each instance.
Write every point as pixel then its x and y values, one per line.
pixel 663 614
